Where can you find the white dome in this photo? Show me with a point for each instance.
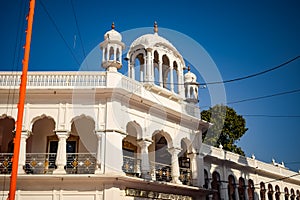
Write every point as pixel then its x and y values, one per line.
pixel 113 35
pixel 190 77
pixel 150 40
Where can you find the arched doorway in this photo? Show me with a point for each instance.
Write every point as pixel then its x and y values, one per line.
pixel 160 157
pixel 131 160
pixel 216 185
pixel 7 127
pixel 231 187
pixel 241 189
pixel 185 162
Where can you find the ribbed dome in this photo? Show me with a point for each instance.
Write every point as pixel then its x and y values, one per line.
pixel 150 40
pixel 113 35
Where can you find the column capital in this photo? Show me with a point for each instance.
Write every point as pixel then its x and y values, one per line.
pixel 26 133
pixel 174 150
pixel 144 142
pixel 62 133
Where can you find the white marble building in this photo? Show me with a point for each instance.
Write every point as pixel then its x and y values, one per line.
pixel 104 135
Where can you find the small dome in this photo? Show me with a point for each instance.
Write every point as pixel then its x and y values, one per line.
pixel 190 77
pixel 150 40
pixel 113 34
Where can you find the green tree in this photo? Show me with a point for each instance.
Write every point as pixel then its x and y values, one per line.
pixel 228 127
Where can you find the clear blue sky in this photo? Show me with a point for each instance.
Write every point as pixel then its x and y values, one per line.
pixel 242 37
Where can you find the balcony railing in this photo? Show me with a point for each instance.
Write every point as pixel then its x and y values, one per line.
pixel 44 163
pixel 131 166
pixel 5 163
pixel 54 79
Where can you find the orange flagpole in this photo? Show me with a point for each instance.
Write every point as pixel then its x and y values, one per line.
pixel 22 95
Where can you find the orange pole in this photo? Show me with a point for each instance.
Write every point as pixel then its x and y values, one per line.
pixel 22 95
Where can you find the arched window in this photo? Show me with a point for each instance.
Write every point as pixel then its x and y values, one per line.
pixel 231 187
pixel 297 195
pixel 277 192
pixel 286 193
pixel 206 179
pixel 215 185
pixel 293 194
pixel 241 189
pixel 262 191
pixel 251 189
pixel 270 192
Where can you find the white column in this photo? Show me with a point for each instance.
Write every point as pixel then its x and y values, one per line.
pixel 145 165
pixel 142 69
pixel 129 69
pixel 61 156
pixel 194 169
pixel 175 173
pixel 99 153
pixel 107 52
pixel 148 66
pixel 22 155
pixel 115 53
pixel 200 169
pixel 103 54
pixel 120 56
pixel 132 71
pixel 160 72
pixel 171 78
pixel 113 153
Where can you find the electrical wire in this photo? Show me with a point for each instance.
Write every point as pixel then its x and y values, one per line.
pixel 239 78
pixel 254 75
pixel 271 116
pixel 16 56
pixel 264 97
pixel 58 31
pixel 78 30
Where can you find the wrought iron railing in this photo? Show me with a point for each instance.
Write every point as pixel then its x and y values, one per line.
pixel 131 166
pixel 186 176
pixel 162 172
pixel 81 163
pixel 5 163
pixel 44 163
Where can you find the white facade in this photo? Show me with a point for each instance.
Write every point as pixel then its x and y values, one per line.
pixel 103 135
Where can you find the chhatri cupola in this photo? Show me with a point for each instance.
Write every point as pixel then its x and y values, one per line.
pixel 152 60
pixel 112 47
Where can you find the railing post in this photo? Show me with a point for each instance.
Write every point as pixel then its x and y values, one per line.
pixel 61 156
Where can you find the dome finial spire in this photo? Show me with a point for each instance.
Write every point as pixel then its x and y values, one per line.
pixel 155 27
pixel 113 25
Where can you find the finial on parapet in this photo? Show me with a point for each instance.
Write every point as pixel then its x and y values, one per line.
pixel 155 27
pixel 113 25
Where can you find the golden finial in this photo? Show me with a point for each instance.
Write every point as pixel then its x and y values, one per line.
pixel 155 27
pixel 113 25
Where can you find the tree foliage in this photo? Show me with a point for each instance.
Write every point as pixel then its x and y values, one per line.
pixel 228 127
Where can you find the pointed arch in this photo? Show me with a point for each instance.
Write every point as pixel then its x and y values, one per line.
pixel 7 127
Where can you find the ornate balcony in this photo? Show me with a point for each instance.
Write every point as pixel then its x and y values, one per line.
pixel 44 163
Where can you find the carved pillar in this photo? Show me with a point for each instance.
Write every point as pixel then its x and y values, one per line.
pixel 61 156
pixel 115 53
pixel 113 153
pixel 149 66
pixel 175 173
pixel 145 165
pixel 99 153
pixel 22 155
pixel 160 72
pixel 171 78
